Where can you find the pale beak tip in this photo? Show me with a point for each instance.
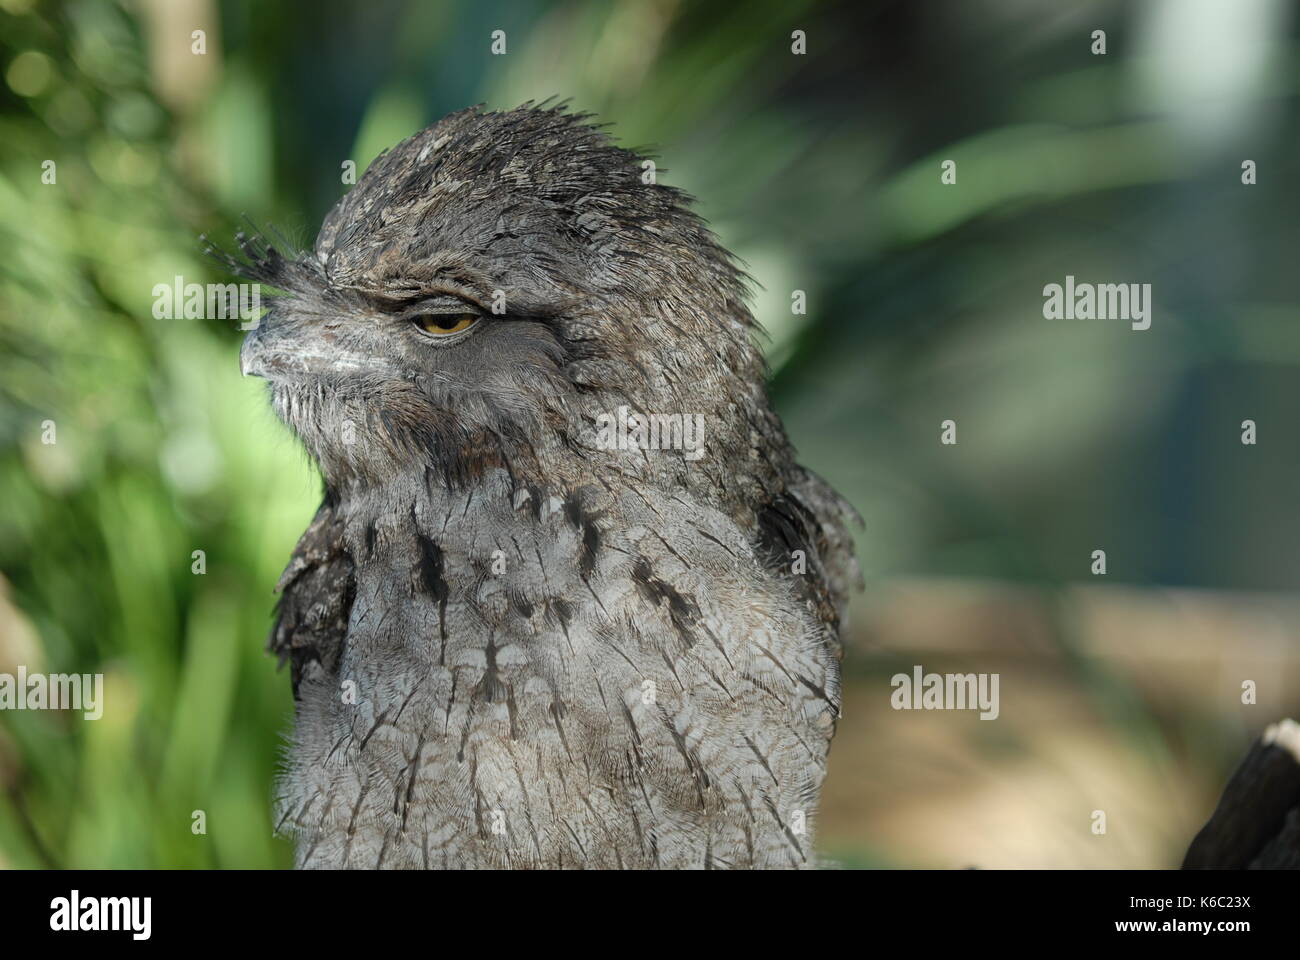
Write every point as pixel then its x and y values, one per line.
pixel 248 356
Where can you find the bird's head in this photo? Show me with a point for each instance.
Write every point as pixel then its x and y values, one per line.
pixel 489 288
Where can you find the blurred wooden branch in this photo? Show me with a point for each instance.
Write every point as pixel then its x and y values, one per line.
pixel 1257 822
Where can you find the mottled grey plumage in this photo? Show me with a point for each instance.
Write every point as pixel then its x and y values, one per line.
pixel 511 646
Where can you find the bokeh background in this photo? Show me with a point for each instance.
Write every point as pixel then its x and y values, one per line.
pixel 1119 693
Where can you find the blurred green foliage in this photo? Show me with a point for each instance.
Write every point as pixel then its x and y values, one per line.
pixel 821 172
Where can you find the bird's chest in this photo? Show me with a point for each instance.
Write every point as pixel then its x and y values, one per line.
pixel 526 692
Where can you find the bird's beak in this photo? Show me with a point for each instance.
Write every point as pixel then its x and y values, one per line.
pixel 268 351
pixel 276 350
pixel 252 355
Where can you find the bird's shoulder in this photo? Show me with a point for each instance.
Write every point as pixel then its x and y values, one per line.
pixel 316 593
pixel 805 530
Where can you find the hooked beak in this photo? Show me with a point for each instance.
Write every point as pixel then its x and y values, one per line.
pixel 253 355
pixel 274 350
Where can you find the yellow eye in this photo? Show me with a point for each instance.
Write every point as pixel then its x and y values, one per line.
pixel 442 324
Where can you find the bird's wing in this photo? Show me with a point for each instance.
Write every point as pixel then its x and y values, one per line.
pixel 316 592
pixel 812 518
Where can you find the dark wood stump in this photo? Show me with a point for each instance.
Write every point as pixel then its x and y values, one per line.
pixel 1257 822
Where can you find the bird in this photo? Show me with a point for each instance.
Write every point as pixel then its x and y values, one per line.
pixel 569 601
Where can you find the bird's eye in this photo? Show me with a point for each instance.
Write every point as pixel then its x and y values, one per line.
pixel 443 324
